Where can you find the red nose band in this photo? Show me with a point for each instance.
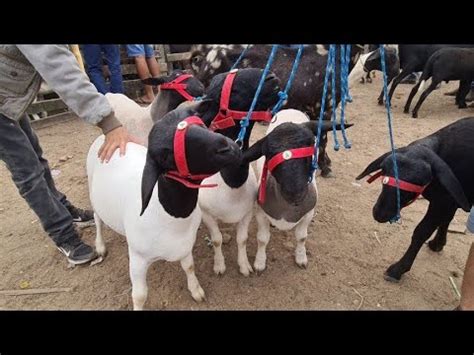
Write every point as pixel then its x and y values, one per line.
pixel 177 85
pixel 226 117
pixel 279 158
pixel 183 175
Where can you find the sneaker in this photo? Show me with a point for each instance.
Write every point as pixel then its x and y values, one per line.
pixel 81 217
pixel 76 251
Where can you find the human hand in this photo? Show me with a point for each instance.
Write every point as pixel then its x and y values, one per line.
pixel 116 138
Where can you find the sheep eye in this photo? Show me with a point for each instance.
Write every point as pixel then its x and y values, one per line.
pixel 197 59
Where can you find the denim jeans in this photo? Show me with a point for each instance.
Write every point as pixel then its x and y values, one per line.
pixel 23 156
pixel 93 58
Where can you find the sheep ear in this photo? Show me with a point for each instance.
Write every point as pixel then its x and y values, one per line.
pixel 156 81
pixel 151 171
pixel 374 166
pixel 326 126
pixel 446 177
pixel 203 106
pixel 254 152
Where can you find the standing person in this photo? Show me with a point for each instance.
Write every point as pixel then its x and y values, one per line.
pixel 21 69
pixel 147 67
pixel 93 58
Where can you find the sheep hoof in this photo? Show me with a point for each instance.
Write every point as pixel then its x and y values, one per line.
pixel 246 270
pixel 462 106
pixel 434 246
pixel 380 102
pixel 219 269
pixel 199 295
pixel 369 80
pixel 98 260
pixel 389 278
pixel 259 270
pixel 414 115
pixel 362 80
pixel 302 265
pixel 406 110
pixel 327 173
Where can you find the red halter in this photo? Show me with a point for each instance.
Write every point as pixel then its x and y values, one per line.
pixel 405 186
pixel 270 165
pixel 183 175
pixel 226 118
pixel 178 86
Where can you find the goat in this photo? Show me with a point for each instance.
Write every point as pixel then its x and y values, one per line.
pixel 286 199
pixel 444 65
pixel 306 91
pixel 170 216
pixel 138 120
pixel 233 200
pixel 441 168
pixel 413 58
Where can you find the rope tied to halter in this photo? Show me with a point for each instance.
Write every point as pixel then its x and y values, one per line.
pixel 392 145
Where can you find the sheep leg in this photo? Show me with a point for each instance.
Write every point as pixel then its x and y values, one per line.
pixel 242 236
pixel 434 217
pixel 216 236
pixel 413 92
pixel 187 263
pixel 323 159
pixel 99 240
pixel 404 73
pixel 439 241
pixel 138 270
pixel 301 233
pixel 464 88
pixel 368 78
pixel 423 96
pixel 263 237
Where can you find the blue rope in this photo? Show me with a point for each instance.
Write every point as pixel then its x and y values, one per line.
pixel 392 145
pixel 345 91
pixel 348 59
pixel 314 164
pixel 283 95
pixel 333 104
pixel 240 57
pixel 245 122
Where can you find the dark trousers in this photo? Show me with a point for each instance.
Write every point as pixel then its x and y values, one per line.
pixel 93 58
pixel 23 156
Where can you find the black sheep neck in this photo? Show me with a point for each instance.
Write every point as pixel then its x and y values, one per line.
pixel 178 200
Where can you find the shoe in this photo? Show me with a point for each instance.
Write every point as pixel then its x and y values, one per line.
pixel 76 251
pixel 81 217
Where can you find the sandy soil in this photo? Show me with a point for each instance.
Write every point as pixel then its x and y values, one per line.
pixel 346 262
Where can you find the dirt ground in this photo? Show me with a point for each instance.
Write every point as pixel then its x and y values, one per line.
pixel 346 261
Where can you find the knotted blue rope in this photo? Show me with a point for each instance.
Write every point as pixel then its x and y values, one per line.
pixel 240 57
pixel 344 90
pixel 283 95
pixel 392 145
pixel 245 122
pixel 314 163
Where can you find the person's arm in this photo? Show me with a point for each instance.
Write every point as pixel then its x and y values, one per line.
pixel 59 68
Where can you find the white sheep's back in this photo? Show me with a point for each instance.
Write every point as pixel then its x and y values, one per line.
pixel 115 193
pixel 136 119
